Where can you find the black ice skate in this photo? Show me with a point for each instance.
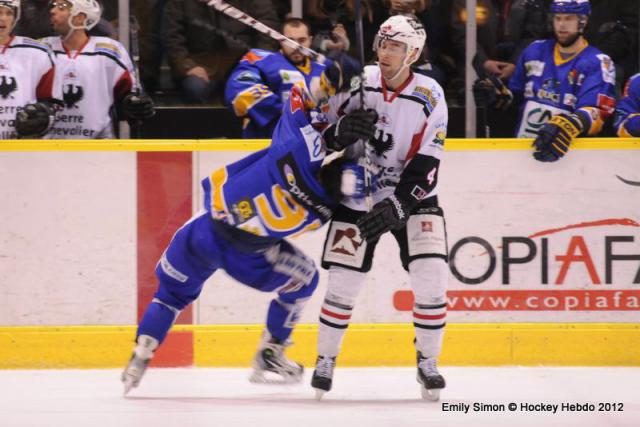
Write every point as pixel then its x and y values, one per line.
pixel 323 375
pixel 428 375
pixel 270 358
pixel 139 362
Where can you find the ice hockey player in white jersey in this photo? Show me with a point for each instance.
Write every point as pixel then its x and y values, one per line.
pixel 96 74
pixel 27 90
pixel 405 158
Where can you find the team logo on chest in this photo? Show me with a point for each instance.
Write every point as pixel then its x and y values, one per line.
pixel 382 143
pixel 71 95
pixel 72 92
pixel 8 85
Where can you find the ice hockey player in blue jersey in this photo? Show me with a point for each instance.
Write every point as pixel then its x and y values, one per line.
pixel 565 86
pixel 251 206
pixel 260 84
pixel 627 117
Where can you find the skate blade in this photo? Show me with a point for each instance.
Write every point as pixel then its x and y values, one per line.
pixel 264 377
pixel 432 394
pixel 319 394
pixel 128 385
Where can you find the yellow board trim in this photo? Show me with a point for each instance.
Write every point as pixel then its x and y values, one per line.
pixel 155 145
pixel 486 344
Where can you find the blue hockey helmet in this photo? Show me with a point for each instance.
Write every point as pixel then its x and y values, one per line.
pixel 578 7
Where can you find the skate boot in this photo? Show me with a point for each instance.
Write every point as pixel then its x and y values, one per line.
pixel 428 375
pixel 142 354
pixel 270 365
pixel 323 375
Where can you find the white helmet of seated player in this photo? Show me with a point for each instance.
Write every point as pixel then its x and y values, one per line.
pixel 89 8
pixel 15 6
pixel 405 30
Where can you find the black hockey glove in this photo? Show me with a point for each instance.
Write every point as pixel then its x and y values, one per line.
pixel 555 137
pixel 357 125
pixel 137 106
pixel 492 92
pixel 35 120
pixel 389 214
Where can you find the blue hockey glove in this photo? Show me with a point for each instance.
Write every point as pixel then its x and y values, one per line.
pixel 389 214
pixel 555 137
pixel 353 183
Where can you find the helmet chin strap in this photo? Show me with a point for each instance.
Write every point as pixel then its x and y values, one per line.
pixel 72 28
pixel 406 63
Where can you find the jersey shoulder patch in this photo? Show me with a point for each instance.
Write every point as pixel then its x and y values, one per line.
pixel 255 55
pixel 35 43
pixel 108 48
pixel 428 90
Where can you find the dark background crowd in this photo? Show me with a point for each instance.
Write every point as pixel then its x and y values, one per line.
pixel 180 39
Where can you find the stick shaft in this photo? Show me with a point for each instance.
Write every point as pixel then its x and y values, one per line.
pixel 239 15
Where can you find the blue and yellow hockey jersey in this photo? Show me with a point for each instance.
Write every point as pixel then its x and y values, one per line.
pixel 552 85
pixel 275 192
pixel 627 118
pixel 259 87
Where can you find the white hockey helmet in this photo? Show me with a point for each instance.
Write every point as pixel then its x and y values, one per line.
pixel 12 4
pixel 90 8
pixel 404 29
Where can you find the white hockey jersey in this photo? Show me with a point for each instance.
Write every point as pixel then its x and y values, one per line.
pixel 93 78
pixel 26 75
pixel 411 120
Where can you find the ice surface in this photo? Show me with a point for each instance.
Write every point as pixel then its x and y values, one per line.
pixel 361 397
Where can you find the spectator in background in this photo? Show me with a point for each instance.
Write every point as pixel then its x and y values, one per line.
pixel 613 28
pixel 433 15
pixel 203 44
pixel 627 117
pixel 260 85
pixel 334 19
pixel 405 7
pixel 493 56
pixel 283 9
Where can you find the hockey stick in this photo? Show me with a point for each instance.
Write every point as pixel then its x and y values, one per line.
pixel 367 157
pixel 134 48
pixel 239 15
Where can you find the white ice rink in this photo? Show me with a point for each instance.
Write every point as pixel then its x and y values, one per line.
pixel 361 397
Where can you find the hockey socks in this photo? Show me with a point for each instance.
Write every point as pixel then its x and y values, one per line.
pixel 157 320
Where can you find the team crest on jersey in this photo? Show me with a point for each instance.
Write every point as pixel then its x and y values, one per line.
pixel 382 142
pixel 440 137
pixel 72 94
pixel 8 85
pixel 550 90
